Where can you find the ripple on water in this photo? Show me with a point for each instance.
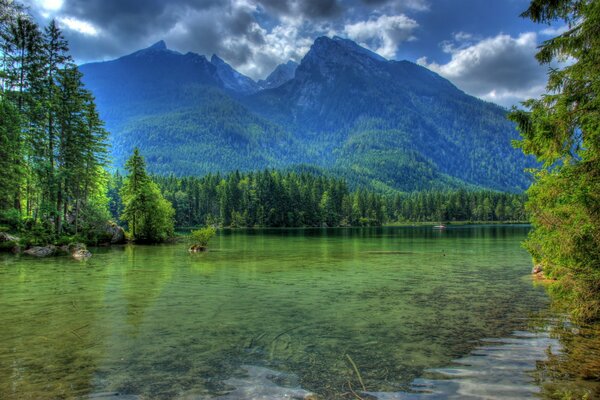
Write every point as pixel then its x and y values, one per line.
pixel 257 383
pixel 498 369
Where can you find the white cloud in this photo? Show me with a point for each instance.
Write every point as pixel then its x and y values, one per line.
pixel 501 69
pixel 80 26
pixel 554 31
pixel 463 36
pixel 50 5
pixel 383 34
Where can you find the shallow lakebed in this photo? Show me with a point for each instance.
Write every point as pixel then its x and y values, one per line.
pixel 275 313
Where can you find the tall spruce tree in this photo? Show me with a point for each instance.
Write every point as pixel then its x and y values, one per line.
pixel 150 217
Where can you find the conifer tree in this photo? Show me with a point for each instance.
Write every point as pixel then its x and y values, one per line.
pixel 562 129
pixel 148 214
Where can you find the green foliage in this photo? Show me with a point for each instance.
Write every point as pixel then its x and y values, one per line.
pixel 11 217
pixel 201 237
pixel 291 199
pixel 148 214
pixel 562 129
pixel 53 146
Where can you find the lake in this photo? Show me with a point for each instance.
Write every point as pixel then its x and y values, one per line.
pixel 389 313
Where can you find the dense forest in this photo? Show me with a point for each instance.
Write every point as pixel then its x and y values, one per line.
pixel 562 129
pixel 290 199
pixel 54 155
pixel 53 147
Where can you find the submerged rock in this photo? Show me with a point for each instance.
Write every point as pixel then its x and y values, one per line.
pixel 81 254
pixel 41 251
pixel 79 251
pixel 267 384
pixel 76 250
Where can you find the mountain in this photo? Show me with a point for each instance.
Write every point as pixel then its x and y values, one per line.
pixel 350 101
pixel 232 79
pixel 344 110
pixel 280 75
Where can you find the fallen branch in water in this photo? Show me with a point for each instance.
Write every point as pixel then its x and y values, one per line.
pixel 357 373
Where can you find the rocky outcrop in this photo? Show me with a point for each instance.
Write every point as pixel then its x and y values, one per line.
pixel 115 233
pixel 41 251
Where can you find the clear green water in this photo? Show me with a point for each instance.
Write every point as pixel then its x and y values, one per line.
pixel 157 322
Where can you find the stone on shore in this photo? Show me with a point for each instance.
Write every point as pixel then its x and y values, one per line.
pixel 116 233
pixel 41 251
pixel 9 243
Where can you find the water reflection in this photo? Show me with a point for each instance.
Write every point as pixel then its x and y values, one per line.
pixel 274 310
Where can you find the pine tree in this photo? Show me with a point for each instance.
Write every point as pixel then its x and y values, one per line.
pixel 11 159
pixel 149 215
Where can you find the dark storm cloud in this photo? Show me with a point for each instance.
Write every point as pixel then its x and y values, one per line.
pixel 320 8
pixel 235 29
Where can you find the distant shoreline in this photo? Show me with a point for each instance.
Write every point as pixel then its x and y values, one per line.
pixel 184 230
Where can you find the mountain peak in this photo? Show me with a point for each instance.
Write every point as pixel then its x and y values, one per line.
pixel 280 75
pixel 232 79
pixel 215 59
pixel 325 45
pixel 160 45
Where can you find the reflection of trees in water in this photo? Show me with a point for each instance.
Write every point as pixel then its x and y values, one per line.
pixel 144 279
pixel 54 351
pixel 574 372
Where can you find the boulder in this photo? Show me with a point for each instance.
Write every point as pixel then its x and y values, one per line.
pixel 76 250
pixel 6 237
pixel 41 251
pixel 196 248
pixel 116 233
pixel 9 243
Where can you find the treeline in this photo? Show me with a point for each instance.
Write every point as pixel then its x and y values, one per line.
pixel 53 146
pixel 291 199
pixel 458 205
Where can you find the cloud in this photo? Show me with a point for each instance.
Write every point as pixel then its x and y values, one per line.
pixel 252 35
pixel 501 69
pixel 50 5
pixel 383 34
pixel 77 25
pixel 399 5
pixel 554 31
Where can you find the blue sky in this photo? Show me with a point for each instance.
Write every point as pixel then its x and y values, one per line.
pixel 482 46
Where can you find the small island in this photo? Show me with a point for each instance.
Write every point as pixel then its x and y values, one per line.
pixel 200 239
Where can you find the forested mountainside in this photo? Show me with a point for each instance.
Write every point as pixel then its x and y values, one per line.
pixel 386 125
